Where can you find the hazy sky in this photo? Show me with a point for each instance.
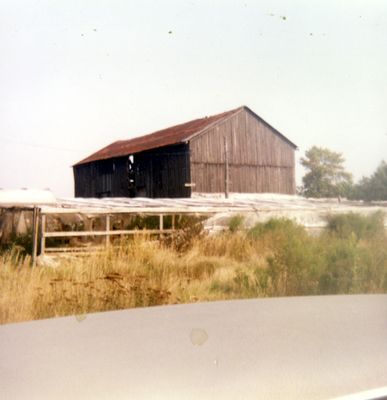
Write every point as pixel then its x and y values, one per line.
pixel 78 75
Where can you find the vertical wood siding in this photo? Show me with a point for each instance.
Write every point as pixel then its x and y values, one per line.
pixel 259 159
pixel 159 172
pixel 163 172
pixel 104 178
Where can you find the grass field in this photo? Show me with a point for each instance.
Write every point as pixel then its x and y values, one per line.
pixel 277 258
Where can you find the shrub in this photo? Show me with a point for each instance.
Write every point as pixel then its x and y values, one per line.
pixel 236 223
pixel 190 230
pixel 340 263
pixel 294 265
pixel 363 227
pixel 275 225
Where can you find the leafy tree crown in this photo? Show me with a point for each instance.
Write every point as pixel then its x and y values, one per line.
pixel 326 175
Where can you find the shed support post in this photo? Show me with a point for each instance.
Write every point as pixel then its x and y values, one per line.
pixel 173 222
pixel 161 225
pixel 42 236
pixel 35 228
pixel 107 228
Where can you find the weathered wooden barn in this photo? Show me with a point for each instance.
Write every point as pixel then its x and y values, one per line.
pixel 236 151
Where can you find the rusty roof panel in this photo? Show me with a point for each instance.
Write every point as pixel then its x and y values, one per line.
pixel 165 137
pixel 173 135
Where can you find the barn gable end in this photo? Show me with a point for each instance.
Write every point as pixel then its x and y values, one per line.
pixel 260 159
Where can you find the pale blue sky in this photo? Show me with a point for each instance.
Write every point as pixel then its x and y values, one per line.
pixel 78 75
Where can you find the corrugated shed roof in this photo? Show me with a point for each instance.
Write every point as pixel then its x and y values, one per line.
pixel 26 197
pixel 173 135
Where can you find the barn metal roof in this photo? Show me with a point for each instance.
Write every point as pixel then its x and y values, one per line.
pixel 173 135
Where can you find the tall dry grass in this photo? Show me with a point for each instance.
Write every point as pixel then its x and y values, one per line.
pixel 141 272
pixel 278 258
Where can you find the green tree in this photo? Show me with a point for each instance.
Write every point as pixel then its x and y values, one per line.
pixel 373 187
pixel 325 176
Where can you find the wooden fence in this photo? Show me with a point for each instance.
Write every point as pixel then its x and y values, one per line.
pixel 41 232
